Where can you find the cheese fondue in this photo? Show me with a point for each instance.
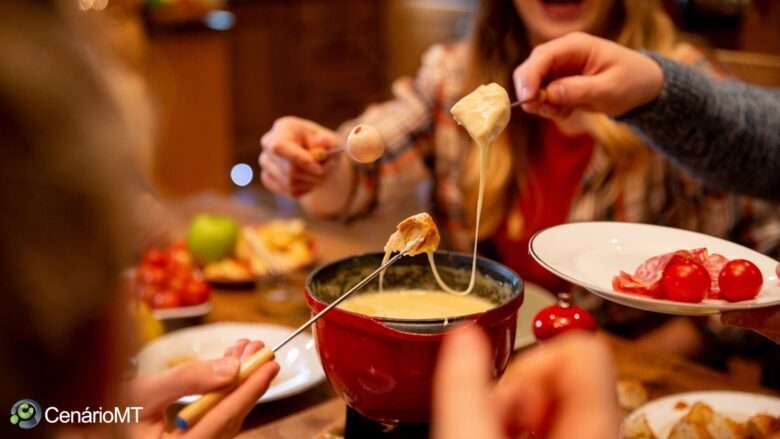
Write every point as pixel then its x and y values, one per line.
pixel 415 304
pixel 484 113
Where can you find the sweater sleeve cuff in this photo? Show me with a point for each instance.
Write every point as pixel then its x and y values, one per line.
pixel 681 96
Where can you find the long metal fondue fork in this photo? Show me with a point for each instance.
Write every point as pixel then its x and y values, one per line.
pixel 192 413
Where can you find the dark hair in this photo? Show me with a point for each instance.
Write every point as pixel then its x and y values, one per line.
pixel 64 184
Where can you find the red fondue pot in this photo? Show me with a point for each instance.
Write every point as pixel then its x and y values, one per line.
pixel 383 368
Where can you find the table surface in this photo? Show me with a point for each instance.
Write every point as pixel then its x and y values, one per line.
pixel 308 413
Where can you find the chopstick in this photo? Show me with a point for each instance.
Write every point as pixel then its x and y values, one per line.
pixel 192 413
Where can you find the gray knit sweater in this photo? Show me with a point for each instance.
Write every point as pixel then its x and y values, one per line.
pixel 725 132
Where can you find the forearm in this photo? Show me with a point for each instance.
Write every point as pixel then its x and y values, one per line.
pixel 726 133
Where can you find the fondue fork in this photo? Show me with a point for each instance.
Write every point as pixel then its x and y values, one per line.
pixel 540 97
pixel 192 413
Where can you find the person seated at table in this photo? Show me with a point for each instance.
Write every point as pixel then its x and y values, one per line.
pixel 541 172
pixel 66 194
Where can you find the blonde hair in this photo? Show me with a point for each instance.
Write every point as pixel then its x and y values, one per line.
pixel 497 44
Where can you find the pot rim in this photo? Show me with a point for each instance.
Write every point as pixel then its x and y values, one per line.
pixel 517 291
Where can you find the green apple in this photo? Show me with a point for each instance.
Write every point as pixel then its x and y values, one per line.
pixel 212 237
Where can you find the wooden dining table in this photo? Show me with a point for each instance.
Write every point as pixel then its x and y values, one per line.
pixel 281 302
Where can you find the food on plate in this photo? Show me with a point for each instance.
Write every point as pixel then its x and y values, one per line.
pixel 276 247
pixel 702 422
pixel 556 319
pixel 637 427
pixel 685 281
pixel 364 144
pixel 212 237
pixel 631 394
pixel 227 269
pixel 415 304
pixel 166 278
pixel 692 276
pixel 740 279
pixel 763 426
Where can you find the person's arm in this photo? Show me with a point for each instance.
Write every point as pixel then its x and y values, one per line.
pixel 727 133
pixel 341 187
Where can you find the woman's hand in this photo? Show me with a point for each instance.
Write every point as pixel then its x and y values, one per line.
pixel 288 160
pixel 156 393
pixel 562 389
pixel 583 72
pixel 765 321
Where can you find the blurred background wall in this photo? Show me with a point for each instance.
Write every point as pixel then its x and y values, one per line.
pixel 221 71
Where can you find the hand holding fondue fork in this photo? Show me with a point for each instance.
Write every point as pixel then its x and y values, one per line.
pixel 192 413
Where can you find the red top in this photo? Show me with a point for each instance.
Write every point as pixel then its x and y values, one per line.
pixel 554 175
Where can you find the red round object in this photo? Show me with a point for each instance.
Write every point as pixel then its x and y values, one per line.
pixel 155 258
pixel 740 279
pixel 165 299
pixel 152 276
pixel 685 281
pixel 195 292
pixel 384 368
pixel 557 319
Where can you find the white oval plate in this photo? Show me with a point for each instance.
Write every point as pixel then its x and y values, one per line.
pixel 182 312
pixel 535 298
pixel 300 364
pixel 739 406
pixel 590 254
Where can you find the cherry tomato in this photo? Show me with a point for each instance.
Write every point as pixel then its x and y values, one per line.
pixel 685 281
pixel 165 299
pixel 195 292
pixel 740 280
pixel 556 319
pixel 180 256
pixel 155 258
pixel 178 280
pixel 152 275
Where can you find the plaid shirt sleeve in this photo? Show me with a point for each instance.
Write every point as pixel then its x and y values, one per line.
pixel 405 123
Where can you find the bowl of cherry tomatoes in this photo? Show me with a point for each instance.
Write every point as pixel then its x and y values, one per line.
pixel 169 282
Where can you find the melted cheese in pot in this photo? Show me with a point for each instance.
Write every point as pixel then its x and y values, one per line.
pixel 415 304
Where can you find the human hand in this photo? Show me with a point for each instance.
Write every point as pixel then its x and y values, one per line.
pixel 156 393
pixel 562 389
pixel 765 321
pixel 288 162
pixel 583 72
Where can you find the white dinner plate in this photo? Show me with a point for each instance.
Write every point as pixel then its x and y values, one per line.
pixel 300 364
pixel 535 298
pixel 590 254
pixel 661 414
pixel 182 312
